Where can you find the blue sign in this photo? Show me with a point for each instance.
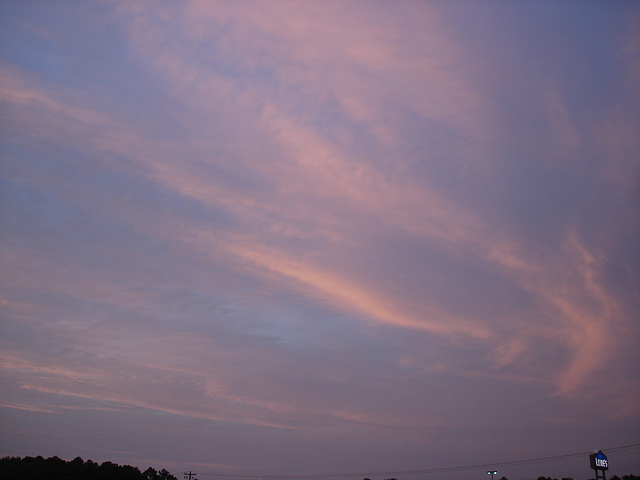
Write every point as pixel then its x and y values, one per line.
pixel 599 461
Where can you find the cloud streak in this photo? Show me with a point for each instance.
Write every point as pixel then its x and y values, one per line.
pixel 318 223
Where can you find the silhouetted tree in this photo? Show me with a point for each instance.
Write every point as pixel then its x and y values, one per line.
pixel 54 468
pixel 150 474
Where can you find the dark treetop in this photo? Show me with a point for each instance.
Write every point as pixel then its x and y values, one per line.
pixel 54 468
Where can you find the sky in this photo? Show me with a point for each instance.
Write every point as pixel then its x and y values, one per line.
pixel 297 238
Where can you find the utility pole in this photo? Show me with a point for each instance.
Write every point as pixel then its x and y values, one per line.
pixel 187 476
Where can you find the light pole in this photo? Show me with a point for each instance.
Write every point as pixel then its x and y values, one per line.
pixel 492 473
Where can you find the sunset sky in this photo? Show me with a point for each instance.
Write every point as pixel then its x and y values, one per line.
pixel 321 237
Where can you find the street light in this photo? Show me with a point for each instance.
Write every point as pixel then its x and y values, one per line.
pixel 492 473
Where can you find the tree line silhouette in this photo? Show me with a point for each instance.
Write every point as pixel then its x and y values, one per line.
pixel 54 468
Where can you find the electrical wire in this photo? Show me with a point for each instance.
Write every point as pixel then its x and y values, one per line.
pixel 422 471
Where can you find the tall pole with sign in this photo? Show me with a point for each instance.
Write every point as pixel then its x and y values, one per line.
pixel 599 464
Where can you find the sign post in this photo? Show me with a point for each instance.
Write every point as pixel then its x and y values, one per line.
pixel 599 463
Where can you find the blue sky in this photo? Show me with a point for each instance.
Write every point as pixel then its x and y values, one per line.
pixel 321 237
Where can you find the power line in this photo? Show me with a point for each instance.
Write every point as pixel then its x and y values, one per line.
pixel 423 471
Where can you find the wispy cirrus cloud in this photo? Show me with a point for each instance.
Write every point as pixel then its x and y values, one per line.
pixel 309 168
pixel 316 217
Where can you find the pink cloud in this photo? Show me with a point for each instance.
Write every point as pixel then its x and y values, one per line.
pixel 305 234
pixel 316 173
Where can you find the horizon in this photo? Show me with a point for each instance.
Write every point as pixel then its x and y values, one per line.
pixel 511 466
pixel 422 473
pixel 342 236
